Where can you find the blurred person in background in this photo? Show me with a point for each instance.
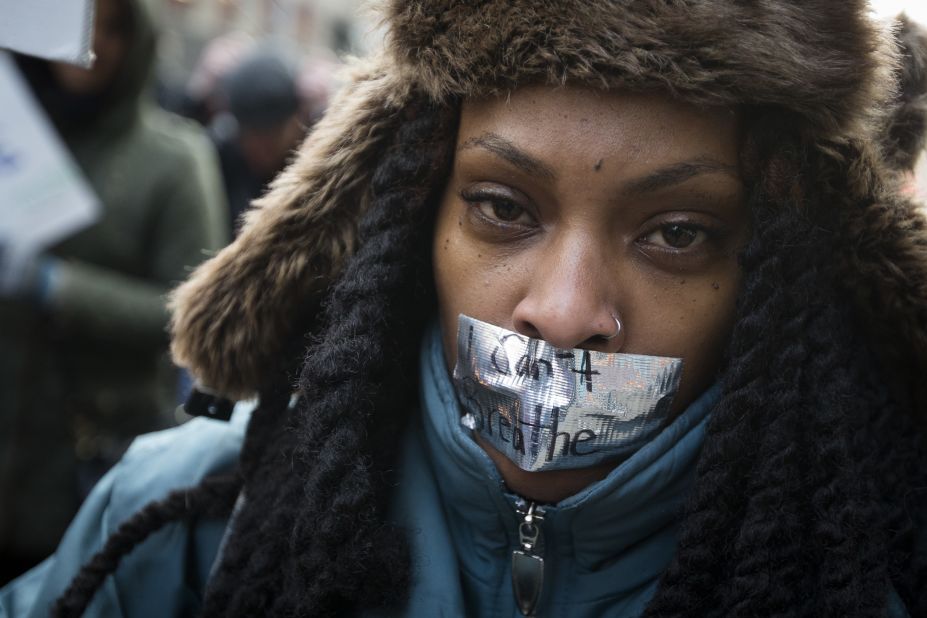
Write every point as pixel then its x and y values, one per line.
pixel 906 132
pixel 202 98
pixel 262 97
pixel 315 82
pixel 83 336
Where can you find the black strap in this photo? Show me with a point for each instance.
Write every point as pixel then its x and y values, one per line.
pixel 200 403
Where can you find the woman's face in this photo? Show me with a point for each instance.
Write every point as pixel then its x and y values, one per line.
pixel 566 206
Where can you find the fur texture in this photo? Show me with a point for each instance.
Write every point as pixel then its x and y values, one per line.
pixel 233 317
pixel 824 60
pixel 821 58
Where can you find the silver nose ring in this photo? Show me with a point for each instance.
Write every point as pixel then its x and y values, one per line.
pixel 617 329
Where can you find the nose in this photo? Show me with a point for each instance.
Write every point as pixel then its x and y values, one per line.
pixel 567 301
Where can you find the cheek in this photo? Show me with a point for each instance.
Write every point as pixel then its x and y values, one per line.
pixel 689 319
pixel 470 278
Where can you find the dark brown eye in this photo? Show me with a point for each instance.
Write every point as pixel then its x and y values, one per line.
pixel 678 236
pixel 502 210
pixel 499 209
pixel 499 205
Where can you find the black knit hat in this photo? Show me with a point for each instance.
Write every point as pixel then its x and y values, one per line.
pixel 261 92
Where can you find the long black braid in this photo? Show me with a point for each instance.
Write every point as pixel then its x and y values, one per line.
pixel 795 510
pixel 311 539
pixel 719 502
pixel 213 498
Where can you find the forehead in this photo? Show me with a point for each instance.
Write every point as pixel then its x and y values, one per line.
pixel 628 129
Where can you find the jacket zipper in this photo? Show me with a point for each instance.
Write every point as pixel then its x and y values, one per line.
pixel 528 559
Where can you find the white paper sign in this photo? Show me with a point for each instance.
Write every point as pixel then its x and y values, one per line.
pixel 920 180
pixel 43 194
pixel 51 29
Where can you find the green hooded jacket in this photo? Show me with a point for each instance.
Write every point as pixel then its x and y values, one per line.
pixel 86 369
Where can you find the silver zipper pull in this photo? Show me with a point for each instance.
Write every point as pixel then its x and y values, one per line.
pixel 527 562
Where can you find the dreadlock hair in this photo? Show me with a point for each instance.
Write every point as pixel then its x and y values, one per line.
pixel 810 489
pixel 311 539
pixel 804 499
pixel 212 498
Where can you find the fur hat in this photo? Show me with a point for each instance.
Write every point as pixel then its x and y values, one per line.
pixel 827 61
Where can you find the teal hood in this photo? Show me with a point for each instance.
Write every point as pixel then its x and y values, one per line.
pixel 605 547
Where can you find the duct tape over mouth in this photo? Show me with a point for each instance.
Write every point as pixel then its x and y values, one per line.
pixel 547 408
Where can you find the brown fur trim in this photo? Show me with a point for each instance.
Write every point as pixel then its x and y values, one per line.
pixel 825 59
pixel 232 319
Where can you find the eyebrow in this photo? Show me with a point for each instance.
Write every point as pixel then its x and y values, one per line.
pixel 505 149
pixel 663 178
pixel 678 173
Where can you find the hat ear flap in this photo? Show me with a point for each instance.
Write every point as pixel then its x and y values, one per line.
pixel 234 320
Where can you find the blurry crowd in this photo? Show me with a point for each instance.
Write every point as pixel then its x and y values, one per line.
pixel 256 106
pixel 83 329
pixel 83 332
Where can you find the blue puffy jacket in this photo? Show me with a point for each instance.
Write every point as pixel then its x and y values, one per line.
pixel 605 547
